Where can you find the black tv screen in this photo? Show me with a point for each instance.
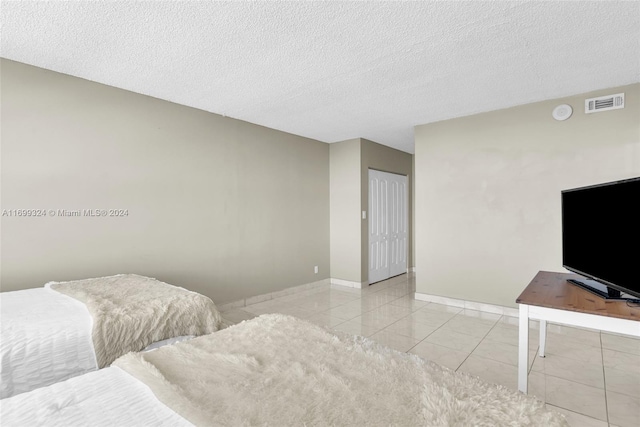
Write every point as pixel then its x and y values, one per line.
pixel 601 233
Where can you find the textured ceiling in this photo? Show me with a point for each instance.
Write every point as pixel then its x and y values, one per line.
pixel 334 70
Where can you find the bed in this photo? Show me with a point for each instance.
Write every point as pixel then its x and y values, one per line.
pixel 280 371
pixel 66 329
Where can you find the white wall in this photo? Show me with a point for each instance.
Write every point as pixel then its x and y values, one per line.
pixel 217 205
pixel 345 210
pixel 488 188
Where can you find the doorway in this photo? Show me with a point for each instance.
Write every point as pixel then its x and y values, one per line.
pixel 388 225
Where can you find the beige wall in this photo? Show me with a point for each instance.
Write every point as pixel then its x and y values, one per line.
pixel 217 205
pixel 382 158
pixel 345 210
pixel 350 164
pixel 488 191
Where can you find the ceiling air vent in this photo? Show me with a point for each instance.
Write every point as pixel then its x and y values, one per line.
pixel 604 103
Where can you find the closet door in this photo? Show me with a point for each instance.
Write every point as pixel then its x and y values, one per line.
pixel 398 227
pixel 388 225
pixel 378 226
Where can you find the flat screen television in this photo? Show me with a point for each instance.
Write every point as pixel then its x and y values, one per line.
pixel 601 237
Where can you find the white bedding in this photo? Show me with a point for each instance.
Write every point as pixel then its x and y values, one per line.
pixel 108 397
pixel 280 371
pixel 45 337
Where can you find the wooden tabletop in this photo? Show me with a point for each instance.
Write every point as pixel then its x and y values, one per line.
pixel 552 290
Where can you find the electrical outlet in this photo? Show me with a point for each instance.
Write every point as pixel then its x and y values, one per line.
pixel 315 269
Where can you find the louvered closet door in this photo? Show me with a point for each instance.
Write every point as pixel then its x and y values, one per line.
pixel 388 233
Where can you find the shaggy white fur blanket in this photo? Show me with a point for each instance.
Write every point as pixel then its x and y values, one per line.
pixel 130 312
pixel 277 370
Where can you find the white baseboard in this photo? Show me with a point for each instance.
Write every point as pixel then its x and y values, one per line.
pixel 470 305
pixel 348 283
pixel 266 297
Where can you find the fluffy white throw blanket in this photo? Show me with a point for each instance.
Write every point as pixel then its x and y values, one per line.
pixel 130 312
pixel 277 370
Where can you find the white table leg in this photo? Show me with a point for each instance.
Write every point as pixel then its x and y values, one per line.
pixel 523 348
pixel 543 336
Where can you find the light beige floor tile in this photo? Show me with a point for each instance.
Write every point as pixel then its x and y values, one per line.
pixel 491 371
pixel 621 361
pixel 509 334
pixel 409 302
pixel 620 343
pixel 589 338
pixel 624 382
pixel 468 326
pixel 375 320
pixel 353 291
pixel 453 340
pixel 577 420
pixel 339 295
pixel 401 278
pixel 299 312
pixel 624 410
pixel 236 315
pixel 444 356
pixel 343 292
pixel 515 321
pixel 267 304
pixel 590 374
pixel 510 320
pixel 346 312
pixel 584 334
pixel 324 319
pixel 262 308
pixel 315 305
pixel 290 297
pixel 410 328
pixel 442 308
pixel 356 328
pixel 378 286
pixel 404 285
pixel 393 340
pixel 395 292
pixel 536 386
pixel 480 315
pixel 364 304
pixel 378 299
pixel 576 397
pixel 431 317
pixel 501 352
pixel 572 349
pixel 230 305
pixel 391 311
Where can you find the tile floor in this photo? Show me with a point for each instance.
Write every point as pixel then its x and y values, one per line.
pixel 591 377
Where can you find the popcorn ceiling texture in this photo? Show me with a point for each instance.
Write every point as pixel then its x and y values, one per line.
pixel 334 70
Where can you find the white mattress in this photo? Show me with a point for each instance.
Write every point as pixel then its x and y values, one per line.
pixel 108 397
pixel 45 337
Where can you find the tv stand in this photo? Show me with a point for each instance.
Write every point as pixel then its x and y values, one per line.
pixel 551 298
pixel 597 288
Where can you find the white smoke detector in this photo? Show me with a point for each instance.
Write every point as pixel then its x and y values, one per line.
pixel 604 103
pixel 562 112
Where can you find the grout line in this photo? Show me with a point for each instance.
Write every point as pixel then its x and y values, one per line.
pixel 480 342
pixel 529 369
pixel 434 331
